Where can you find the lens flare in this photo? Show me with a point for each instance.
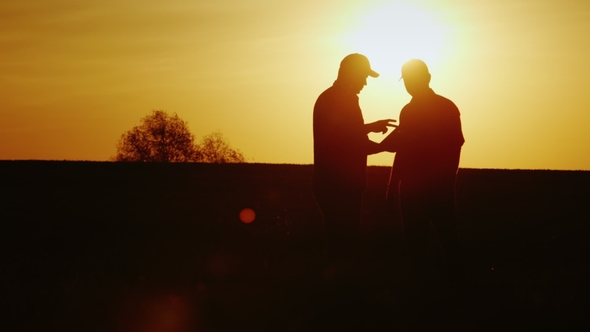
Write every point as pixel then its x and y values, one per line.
pixel 247 215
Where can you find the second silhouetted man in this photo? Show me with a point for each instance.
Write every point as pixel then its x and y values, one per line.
pixel 428 145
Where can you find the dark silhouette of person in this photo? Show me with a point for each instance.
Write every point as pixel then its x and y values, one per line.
pixel 341 146
pixel 428 144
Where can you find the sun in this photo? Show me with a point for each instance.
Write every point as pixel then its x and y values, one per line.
pixel 392 33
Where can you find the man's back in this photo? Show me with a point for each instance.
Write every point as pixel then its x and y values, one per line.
pixel 432 138
pixel 340 156
pixel 428 148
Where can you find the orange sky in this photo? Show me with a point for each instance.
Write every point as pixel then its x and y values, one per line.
pixel 75 75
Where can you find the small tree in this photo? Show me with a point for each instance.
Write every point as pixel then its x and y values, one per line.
pixel 215 149
pixel 159 138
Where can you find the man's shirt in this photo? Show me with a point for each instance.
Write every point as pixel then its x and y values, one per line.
pixel 428 141
pixel 341 143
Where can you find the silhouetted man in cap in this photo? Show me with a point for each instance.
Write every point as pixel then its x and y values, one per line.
pixel 428 145
pixel 341 146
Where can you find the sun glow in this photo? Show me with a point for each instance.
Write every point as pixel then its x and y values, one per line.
pixel 392 33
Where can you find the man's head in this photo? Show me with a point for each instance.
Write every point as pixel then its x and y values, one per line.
pixel 416 76
pixel 354 70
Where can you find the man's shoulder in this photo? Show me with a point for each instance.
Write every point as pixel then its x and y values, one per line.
pixel 444 101
pixel 335 96
pixel 323 97
pixel 329 89
pixel 326 93
pixel 434 102
pixel 406 107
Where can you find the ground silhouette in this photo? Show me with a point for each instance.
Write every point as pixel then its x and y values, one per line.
pixel 121 246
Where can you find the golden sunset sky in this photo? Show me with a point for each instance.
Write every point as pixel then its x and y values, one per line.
pixel 75 75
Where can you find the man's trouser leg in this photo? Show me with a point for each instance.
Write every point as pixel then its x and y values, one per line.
pixel 416 225
pixel 446 228
pixel 342 213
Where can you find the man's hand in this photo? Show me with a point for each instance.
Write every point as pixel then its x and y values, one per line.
pixel 380 126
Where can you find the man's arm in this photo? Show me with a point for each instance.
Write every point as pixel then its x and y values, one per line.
pixel 392 142
pixel 380 126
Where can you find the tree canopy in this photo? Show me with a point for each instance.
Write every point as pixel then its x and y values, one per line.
pixel 161 137
pixel 215 149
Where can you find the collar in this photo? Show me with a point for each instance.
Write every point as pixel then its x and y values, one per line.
pixel 425 94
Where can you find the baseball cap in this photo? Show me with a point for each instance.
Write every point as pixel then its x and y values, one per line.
pixel 414 67
pixel 357 62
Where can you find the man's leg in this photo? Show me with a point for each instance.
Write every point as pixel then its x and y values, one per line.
pixel 342 213
pixel 416 225
pixel 446 227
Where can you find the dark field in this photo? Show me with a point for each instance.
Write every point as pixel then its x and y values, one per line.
pixel 160 247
